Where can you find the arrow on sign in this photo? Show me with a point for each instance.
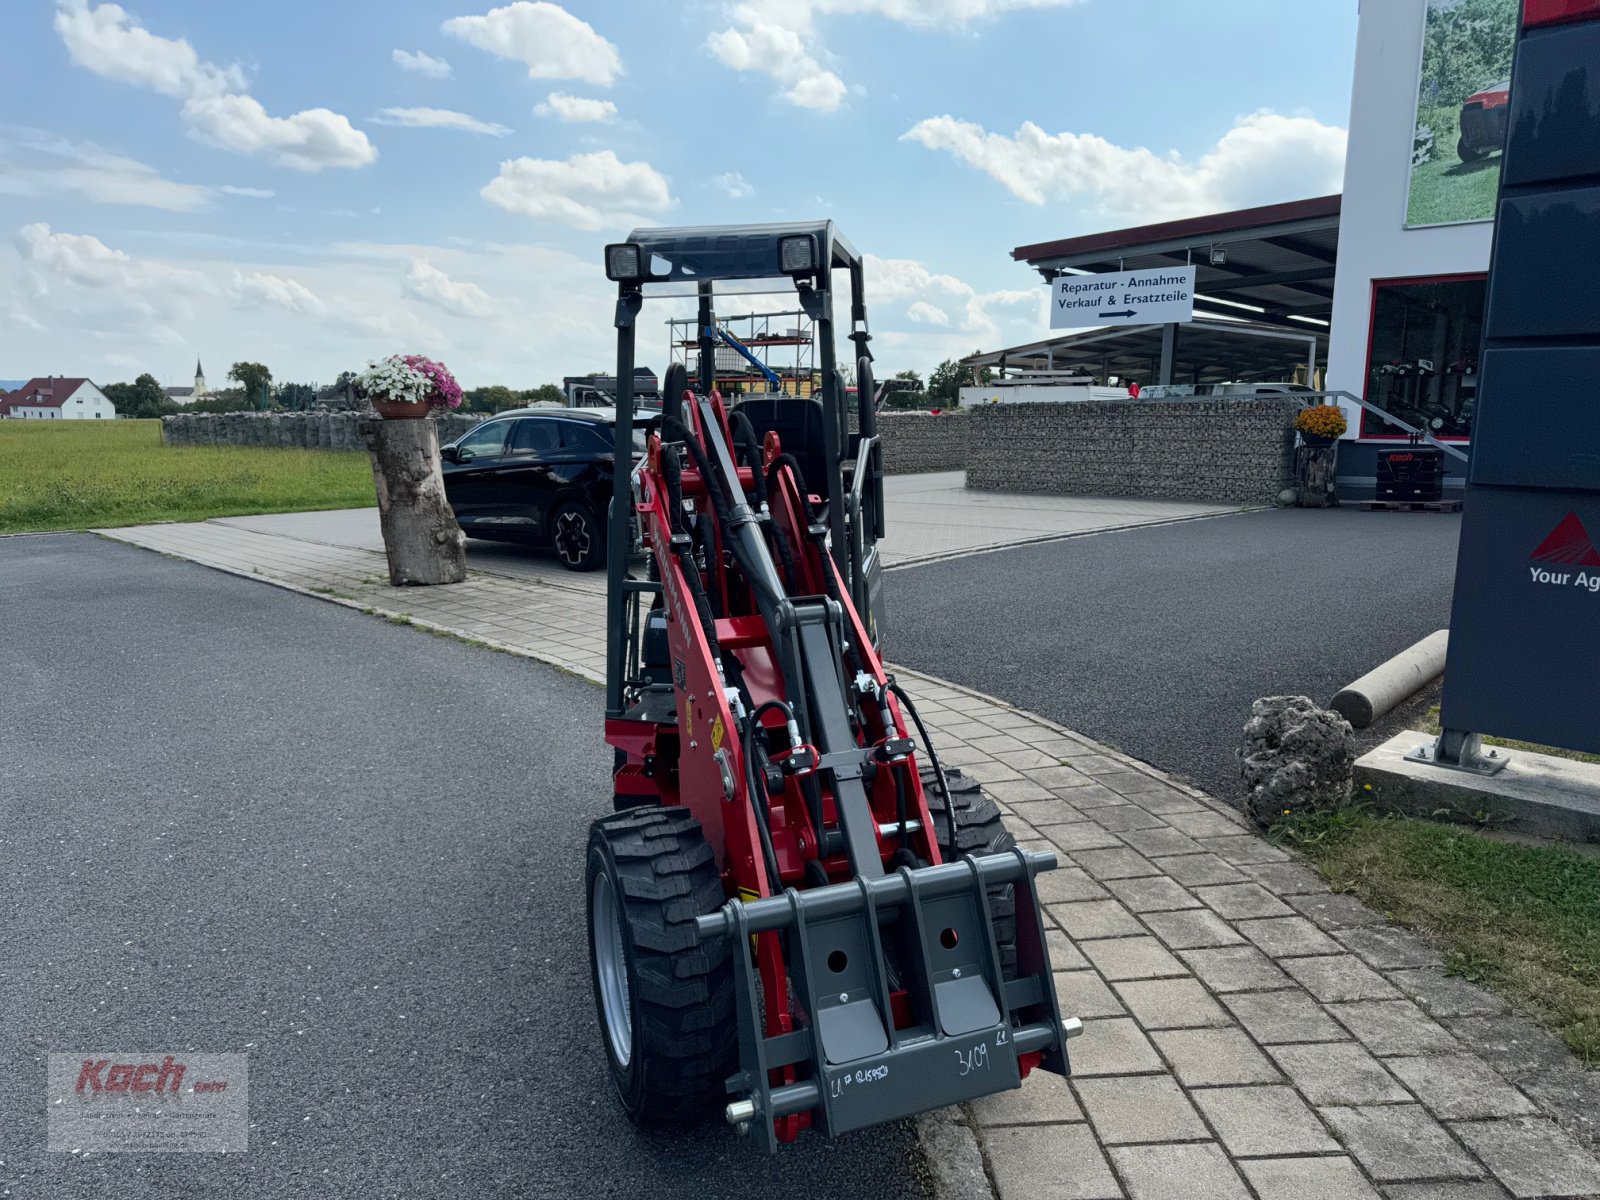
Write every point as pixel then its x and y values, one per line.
pixel 1104 315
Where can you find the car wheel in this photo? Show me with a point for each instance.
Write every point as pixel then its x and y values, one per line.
pixel 576 534
pixel 1467 153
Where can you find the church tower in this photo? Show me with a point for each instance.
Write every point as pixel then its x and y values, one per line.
pixel 199 380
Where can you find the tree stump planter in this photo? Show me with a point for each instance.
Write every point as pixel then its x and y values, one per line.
pixel 423 543
pixel 1316 466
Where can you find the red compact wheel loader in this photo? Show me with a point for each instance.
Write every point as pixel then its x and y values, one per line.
pixel 793 910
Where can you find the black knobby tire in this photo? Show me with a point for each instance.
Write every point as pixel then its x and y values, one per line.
pixel 979 829
pixel 579 541
pixel 679 995
pixel 1468 153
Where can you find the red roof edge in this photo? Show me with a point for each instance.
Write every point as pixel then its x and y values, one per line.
pixel 60 388
pixel 1192 227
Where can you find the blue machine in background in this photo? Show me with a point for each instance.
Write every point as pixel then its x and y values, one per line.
pixel 720 333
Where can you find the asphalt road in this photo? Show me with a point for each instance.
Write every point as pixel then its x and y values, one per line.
pixel 1157 640
pixel 233 819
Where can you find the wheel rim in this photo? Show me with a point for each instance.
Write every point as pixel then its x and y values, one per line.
pixel 572 536
pixel 611 968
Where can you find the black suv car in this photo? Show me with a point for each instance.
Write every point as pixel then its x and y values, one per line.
pixel 543 477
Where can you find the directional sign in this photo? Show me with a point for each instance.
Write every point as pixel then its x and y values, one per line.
pixel 1162 296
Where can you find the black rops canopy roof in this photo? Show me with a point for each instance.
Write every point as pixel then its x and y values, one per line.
pixel 733 251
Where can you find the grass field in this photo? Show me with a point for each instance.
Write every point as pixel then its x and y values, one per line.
pixel 1523 920
pixel 1446 189
pixel 87 474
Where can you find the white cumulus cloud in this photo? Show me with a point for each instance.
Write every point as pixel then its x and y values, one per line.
pixel 87 261
pixel 1265 157
pixel 774 49
pixel 586 191
pixel 934 296
pixel 438 118
pixel 904 278
pixel 307 141
pixel 575 109
pixel 106 40
pixel 259 287
pixel 77 279
pixel 428 283
pixel 422 64
pixel 545 38
pixel 735 184
pixel 780 37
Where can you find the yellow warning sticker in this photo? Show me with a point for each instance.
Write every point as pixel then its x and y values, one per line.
pixel 717 733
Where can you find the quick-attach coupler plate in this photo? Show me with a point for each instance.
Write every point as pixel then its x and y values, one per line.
pixel 927 933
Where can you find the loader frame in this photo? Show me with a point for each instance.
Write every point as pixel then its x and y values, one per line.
pixel 744 684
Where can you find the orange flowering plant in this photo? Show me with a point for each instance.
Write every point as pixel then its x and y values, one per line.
pixel 1321 420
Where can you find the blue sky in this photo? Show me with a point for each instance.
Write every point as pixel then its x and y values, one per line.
pixel 312 184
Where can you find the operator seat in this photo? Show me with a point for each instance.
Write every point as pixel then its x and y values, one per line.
pixel 800 426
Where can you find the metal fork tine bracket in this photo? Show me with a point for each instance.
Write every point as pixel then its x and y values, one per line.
pixel 968 1025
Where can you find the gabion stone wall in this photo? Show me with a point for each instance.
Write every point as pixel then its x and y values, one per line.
pixel 1238 451
pixel 914 442
pixel 288 431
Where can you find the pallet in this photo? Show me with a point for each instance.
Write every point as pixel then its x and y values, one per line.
pixel 1441 506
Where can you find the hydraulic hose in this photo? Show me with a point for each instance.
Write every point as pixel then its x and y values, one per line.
pixel 673 478
pixel 933 755
pixel 672 390
pixel 758 802
pixel 808 789
pixel 707 542
pixel 762 578
pixel 745 435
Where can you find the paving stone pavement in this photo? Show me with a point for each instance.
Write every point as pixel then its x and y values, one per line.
pixel 1247 1033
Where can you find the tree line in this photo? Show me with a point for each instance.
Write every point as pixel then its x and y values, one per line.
pixel 256 392
pixel 942 390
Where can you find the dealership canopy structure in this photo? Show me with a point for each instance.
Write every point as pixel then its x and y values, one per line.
pixel 1274 264
pixel 1209 350
pixel 1263 297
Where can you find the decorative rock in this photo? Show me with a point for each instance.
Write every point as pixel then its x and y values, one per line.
pixel 1296 757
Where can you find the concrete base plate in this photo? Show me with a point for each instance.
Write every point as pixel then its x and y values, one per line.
pixel 1535 794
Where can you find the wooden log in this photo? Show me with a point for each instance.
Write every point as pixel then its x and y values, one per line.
pixel 420 535
pixel 1317 468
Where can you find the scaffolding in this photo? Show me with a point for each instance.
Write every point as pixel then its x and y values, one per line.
pixel 782 342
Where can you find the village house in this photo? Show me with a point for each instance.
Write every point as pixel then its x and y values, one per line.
pixel 54 398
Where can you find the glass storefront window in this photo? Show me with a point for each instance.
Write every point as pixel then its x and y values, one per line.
pixel 1422 361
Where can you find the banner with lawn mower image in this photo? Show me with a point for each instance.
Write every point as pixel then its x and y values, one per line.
pixel 1463 104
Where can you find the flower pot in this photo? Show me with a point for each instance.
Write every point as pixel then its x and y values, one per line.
pixel 400 410
pixel 1316 439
